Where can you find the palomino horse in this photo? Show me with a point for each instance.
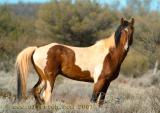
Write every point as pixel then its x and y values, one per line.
pixel 99 63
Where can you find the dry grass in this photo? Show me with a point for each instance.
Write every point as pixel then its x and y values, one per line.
pixel 125 95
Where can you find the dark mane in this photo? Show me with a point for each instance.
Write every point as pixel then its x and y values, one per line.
pixel 118 31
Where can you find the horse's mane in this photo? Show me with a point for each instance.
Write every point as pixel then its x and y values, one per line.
pixel 118 31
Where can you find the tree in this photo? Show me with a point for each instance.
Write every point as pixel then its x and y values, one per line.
pixel 79 23
pixel 7 24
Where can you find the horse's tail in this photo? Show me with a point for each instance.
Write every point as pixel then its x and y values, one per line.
pixel 22 66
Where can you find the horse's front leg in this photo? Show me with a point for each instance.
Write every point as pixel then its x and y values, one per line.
pixel 103 93
pixel 98 86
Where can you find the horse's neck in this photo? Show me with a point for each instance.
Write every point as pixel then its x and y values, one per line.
pixel 107 42
pixel 110 42
pixel 119 53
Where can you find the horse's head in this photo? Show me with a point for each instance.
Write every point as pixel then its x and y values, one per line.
pixel 124 33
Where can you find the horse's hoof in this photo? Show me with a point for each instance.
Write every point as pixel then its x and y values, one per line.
pixel 93 100
pixel 100 103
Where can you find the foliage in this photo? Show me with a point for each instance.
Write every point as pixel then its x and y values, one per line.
pixel 7 23
pixel 135 64
pixel 80 23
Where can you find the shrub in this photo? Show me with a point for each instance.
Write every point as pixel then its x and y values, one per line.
pixel 79 23
pixel 135 64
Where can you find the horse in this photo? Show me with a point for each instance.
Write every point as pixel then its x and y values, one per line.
pixel 99 64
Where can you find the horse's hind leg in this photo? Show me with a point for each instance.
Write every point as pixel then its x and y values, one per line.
pixel 51 72
pixel 43 89
pixel 49 86
pixel 40 86
pixel 38 90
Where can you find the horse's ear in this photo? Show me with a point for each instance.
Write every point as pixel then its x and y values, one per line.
pixel 122 21
pixel 132 21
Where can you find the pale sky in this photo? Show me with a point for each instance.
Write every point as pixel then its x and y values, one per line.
pixel 122 2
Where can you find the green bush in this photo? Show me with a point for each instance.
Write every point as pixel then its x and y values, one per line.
pixel 135 64
pixel 79 23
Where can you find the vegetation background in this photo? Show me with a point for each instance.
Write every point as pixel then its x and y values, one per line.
pixel 82 23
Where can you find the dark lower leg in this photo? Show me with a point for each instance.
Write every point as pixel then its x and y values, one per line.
pixel 103 93
pixel 97 89
pixel 94 97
